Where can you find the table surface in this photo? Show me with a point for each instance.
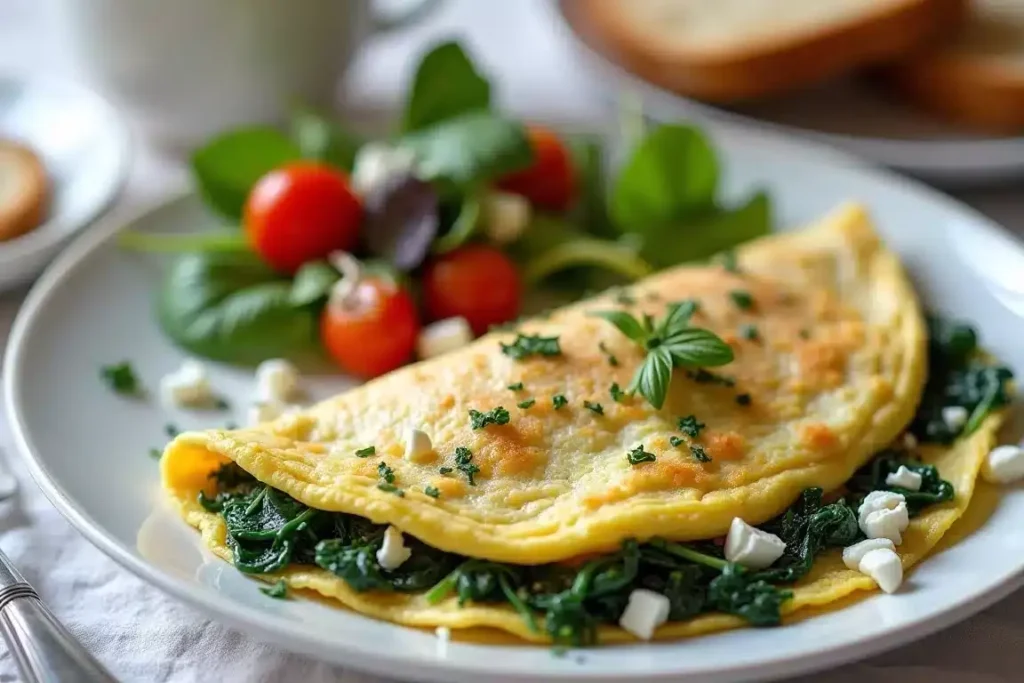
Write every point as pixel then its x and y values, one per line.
pixel 977 651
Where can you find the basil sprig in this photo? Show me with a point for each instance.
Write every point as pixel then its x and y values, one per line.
pixel 669 343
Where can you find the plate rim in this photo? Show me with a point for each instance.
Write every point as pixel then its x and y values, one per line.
pixel 949 160
pixel 398 663
pixel 35 243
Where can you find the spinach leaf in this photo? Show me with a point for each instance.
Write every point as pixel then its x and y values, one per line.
pixel 671 175
pixel 227 167
pixel 934 489
pixel 312 284
pixel 757 601
pixel 469 150
pixel 320 138
pixel 462 218
pixel 446 84
pixel 230 306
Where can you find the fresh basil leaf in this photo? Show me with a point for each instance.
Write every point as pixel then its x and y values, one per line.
pixel 312 284
pixel 462 228
pixel 230 306
pixel 653 376
pixel 677 317
pixel 227 167
pixel 469 149
pixel 671 175
pixel 322 139
pixel 446 84
pixel 400 221
pixel 625 323
pixel 695 347
pixel 702 237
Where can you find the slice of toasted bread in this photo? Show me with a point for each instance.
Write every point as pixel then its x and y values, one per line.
pixel 23 190
pixel 978 77
pixel 731 50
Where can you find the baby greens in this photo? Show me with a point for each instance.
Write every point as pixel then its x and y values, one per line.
pixel 121 379
pixel 669 343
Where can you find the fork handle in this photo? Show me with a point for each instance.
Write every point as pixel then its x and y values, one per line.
pixel 44 650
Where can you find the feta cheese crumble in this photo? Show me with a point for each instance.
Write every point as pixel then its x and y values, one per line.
pixel 418 447
pixel 884 566
pixel 189 385
pixel 1004 465
pixel 277 380
pixel 752 547
pixel 645 611
pixel 393 553
pixel 443 336
pixel 505 217
pixel 884 514
pixel 904 478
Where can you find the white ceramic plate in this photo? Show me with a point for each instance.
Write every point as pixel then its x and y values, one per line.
pixel 85 148
pixel 849 115
pixel 87 448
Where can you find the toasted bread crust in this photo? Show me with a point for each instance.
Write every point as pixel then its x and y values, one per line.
pixel 764 67
pixel 25 209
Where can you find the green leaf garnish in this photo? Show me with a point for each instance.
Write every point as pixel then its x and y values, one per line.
pixel 386 473
pixel 675 441
pixel 616 392
pixel 742 299
pixel 432 491
pixel 526 345
pixel 594 407
pixel 445 470
pixel 727 259
pixel 171 429
pixel 496 416
pixel 669 343
pixel 691 426
pixel 279 591
pixel 559 401
pixel 155 453
pixel 391 488
pixel 612 360
pixel 446 84
pixel 749 332
pixel 121 379
pixel 366 452
pixel 527 403
pixel 702 376
pixel 743 399
pixel 639 455
pixel 463 458
pixel 518 386
pixel 699 453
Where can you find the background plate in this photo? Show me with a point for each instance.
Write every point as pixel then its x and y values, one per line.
pixel 87 448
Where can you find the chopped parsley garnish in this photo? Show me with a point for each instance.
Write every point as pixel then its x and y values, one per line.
pixel 749 332
pixel 155 453
pixel 171 429
pixel 279 591
pixel 702 376
pixel 691 426
pixel 386 473
pixel 699 453
pixel 367 452
pixel 617 393
pixel 518 386
pixel 559 401
pixel 497 416
pixel 446 470
pixel 612 360
pixel 594 407
pixel 527 403
pixel 675 441
pixel 391 488
pixel 742 299
pixel 432 491
pixel 639 455
pixel 463 458
pixel 672 342
pixel 743 399
pixel 121 379
pixel 727 259
pixel 531 345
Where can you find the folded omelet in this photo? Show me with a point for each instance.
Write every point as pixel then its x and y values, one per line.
pixel 829 363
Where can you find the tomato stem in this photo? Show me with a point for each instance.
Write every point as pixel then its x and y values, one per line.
pixel 164 243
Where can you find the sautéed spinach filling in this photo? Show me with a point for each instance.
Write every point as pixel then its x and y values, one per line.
pixel 267 530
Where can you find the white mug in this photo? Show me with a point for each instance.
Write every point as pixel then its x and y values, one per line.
pixel 183 70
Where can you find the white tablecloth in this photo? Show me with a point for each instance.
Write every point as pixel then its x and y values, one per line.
pixel 145 636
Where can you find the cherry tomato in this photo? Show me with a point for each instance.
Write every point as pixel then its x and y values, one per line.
pixel 550 182
pixel 476 282
pixel 373 330
pixel 301 212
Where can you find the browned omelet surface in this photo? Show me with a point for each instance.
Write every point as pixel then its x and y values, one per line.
pixel 834 376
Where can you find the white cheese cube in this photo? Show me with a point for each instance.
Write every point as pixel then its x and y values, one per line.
pixel 417 446
pixel 505 216
pixel 904 478
pixel 444 636
pixel 377 163
pixel 645 611
pixel 853 554
pixel 878 500
pixel 393 553
pixel 1004 465
pixel 752 547
pixel 443 336
pixel 277 380
pixel 263 411
pixel 955 417
pixel 887 523
pixel 189 385
pixel 885 567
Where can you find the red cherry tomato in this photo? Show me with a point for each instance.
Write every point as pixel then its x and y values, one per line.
pixel 301 212
pixel 550 182
pixel 373 331
pixel 476 282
